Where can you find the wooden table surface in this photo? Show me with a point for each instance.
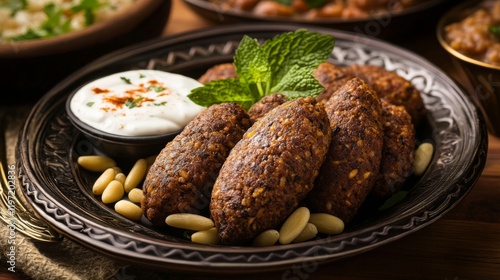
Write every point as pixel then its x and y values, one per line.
pixel 464 244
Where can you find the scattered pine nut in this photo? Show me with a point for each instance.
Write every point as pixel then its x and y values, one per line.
pixel 135 195
pixel 136 175
pixel 129 210
pixel 96 163
pixel 326 223
pixel 423 156
pixel 294 225
pixel 309 232
pixel 102 182
pixel 208 237
pixel 114 191
pixel 266 238
pixel 189 221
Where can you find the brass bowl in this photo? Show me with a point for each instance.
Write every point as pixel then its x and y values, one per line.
pixel 483 78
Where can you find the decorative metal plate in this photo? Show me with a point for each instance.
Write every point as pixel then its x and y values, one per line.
pixel 60 191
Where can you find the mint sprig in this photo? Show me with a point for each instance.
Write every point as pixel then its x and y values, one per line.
pixel 282 64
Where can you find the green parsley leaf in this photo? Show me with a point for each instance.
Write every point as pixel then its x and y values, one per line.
pixel 495 30
pixel 282 64
pixel 55 24
pixel 156 88
pixel 126 80
pixel 161 103
pixel 141 76
pixel 90 104
pixel 88 7
pixel 133 103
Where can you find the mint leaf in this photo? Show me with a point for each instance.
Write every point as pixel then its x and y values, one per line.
pixel 221 91
pixel 282 64
pixel 302 48
pixel 298 82
pixel 252 66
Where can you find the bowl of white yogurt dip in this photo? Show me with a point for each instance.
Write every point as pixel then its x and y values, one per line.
pixel 133 114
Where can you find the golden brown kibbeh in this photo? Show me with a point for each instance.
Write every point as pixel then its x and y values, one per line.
pixel 270 170
pixel 353 160
pixel 182 176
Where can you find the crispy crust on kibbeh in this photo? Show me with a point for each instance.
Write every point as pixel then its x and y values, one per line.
pixel 181 178
pixel 266 104
pixel 270 170
pixel 218 72
pixel 353 159
pixel 397 152
pixel 391 87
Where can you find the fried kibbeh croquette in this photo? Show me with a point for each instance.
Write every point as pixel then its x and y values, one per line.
pixel 331 78
pixel 270 170
pixel 391 87
pixel 218 72
pixel 266 104
pixel 397 152
pixel 182 176
pixel 353 160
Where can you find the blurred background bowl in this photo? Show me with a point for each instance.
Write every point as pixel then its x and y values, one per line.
pixel 30 68
pixel 384 25
pixel 483 78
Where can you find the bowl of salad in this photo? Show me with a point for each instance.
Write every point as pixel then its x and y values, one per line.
pixel 42 41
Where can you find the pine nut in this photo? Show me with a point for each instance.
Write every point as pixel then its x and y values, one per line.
pixel 113 192
pixel 423 156
pixel 128 210
pixel 96 163
pixel 326 223
pixel 189 221
pixel 102 182
pixel 266 238
pixel 309 232
pixel 136 175
pixel 294 225
pixel 120 177
pixel 135 195
pixel 207 237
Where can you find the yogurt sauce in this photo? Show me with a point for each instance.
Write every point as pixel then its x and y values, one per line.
pixel 137 103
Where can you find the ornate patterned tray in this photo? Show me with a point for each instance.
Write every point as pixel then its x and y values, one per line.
pixel 60 191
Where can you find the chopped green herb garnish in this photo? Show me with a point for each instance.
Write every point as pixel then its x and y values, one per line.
pixel 495 30
pixel 156 88
pixel 88 7
pixel 55 24
pixel 126 80
pixel 161 103
pixel 282 64
pixel 133 103
pixel 141 76
pixel 90 104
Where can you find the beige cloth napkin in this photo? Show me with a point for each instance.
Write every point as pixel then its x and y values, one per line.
pixel 46 260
